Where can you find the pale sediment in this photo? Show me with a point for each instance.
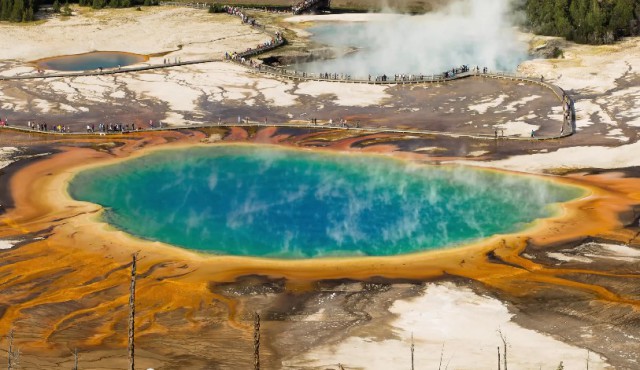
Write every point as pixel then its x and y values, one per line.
pixel 449 322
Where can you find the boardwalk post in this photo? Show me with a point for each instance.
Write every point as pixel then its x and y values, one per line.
pixel 256 342
pixel 132 313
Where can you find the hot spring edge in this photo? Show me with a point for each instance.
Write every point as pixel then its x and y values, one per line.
pixel 274 202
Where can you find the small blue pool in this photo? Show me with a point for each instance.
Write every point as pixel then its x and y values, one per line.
pixel 91 61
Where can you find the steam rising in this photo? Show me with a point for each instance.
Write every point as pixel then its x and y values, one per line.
pixel 472 32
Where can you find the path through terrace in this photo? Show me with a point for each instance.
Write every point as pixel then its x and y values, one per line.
pixel 277 40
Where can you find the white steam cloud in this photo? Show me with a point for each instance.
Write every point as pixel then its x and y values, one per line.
pixel 472 32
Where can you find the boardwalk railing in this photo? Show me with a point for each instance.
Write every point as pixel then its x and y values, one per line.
pixel 302 125
pixel 335 77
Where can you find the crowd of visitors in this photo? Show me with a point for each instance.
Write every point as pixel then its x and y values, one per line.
pixel 456 71
pixel 115 127
pixel 177 60
pixel 274 10
pixel 335 76
pixel 233 10
pixel 92 128
pixel 453 72
pixel 566 107
pixel 296 9
pixel 47 128
pixel 243 57
pixel 303 5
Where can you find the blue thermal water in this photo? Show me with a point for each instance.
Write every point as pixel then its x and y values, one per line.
pixel 90 61
pixel 274 202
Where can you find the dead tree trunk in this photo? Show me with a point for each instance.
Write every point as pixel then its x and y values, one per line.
pixel 504 344
pixel 10 351
pixel 498 357
pixel 132 313
pixel 412 350
pixel 256 342
pixel 13 355
pixel 75 359
pixel 588 353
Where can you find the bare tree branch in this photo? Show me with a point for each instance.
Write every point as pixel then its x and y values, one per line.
pixel 504 343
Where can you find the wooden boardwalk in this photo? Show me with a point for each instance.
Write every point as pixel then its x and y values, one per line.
pixel 319 127
pixel 560 94
pixel 107 71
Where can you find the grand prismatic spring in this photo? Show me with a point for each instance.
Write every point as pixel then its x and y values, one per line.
pixel 408 185
pixel 263 201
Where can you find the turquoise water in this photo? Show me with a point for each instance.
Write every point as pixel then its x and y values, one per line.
pixel 273 202
pixel 91 61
